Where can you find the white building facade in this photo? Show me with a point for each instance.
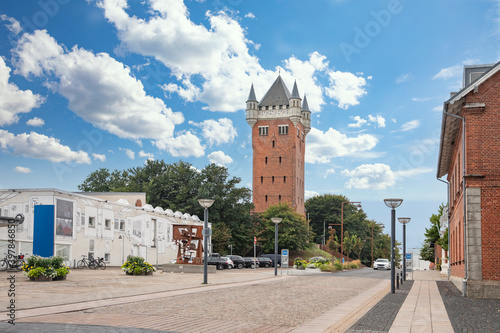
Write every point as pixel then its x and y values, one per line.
pixel 108 225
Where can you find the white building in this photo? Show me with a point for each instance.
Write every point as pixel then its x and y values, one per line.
pixel 110 225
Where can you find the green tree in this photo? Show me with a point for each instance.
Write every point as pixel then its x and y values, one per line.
pixel 432 236
pixel 333 243
pixel 97 181
pixel 292 231
pixel 358 245
pixel 348 243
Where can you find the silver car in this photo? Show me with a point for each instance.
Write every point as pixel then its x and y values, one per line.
pixel 382 264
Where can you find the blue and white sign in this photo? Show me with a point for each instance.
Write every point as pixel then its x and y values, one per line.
pixel 284 258
pixel 408 256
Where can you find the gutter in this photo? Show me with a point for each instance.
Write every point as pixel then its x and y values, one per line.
pixel 466 275
pixel 448 210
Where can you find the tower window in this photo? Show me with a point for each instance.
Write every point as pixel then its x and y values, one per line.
pixel 274 143
pixel 298 132
pixel 266 197
pixel 279 198
pixel 284 179
pixel 273 179
pixel 261 179
pixel 283 129
pixel 263 130
pixel 266 159
pixel 280 159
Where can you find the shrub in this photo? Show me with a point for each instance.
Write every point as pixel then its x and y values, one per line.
pixel 137 265
pixel 36 266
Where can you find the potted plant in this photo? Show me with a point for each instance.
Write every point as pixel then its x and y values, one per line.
pixel 45 269
pixel 300 263
pixel 137 266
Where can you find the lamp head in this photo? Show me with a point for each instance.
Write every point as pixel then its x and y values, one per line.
pixel 206 203
pixel 276 220
pixel 404 220
pixel 393 203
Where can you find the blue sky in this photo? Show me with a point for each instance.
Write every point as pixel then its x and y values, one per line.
pixel 110 83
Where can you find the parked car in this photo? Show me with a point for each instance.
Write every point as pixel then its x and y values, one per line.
pixel 271 256
pixel 219 262
pixel 382 264
pixel 230 264
pixel 238 261
pixel 250 262
pixel 265 262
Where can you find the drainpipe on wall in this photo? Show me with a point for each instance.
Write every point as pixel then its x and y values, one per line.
pixel 448 195
pixel 464 282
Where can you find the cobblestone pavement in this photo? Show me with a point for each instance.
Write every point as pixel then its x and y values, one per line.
pixel 382 315
pixel 470 315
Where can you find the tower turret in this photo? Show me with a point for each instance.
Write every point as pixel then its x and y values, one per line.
pixel 306 116
pixel 295 105
pixel 251 113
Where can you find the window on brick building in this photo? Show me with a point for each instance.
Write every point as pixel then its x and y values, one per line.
pixel 279 198
pixel 261 179
pixel 266 159
pixel 266 197
pixel 263 130
pixel 280 159
pixel 274 143
pixel 298 132
pixel 283 129
pixel 273 179
pixel 284 179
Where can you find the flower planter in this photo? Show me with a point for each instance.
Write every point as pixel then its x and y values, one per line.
pixel 301 267
pixel 41 279
pixel 149 273
pixel 59 278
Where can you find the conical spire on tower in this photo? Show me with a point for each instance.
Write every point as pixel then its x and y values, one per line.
pixel 251 95
pixel 295 91
pixel 305 106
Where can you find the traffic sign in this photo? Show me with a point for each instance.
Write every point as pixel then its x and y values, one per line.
pixel 255 240
pixel 408 256
pixel 284 258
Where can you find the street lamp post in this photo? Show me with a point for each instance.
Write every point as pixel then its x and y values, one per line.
pixel 372 244
pixel 393 204
pixel 342 223
pixel 231 246
pixel 205 203
pixel 404 221
pixel 276 221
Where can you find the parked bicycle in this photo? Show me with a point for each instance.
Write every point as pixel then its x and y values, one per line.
pixel 86 262
pixel 100 263
pixel 16 264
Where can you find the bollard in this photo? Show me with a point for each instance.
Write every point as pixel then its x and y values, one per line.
pixel 397 280
pixel 401 278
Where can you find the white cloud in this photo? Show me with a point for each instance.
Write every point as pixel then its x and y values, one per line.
pixel 448 73
pixel 410 125
pixel 217 131
pixel 21 169
pixel 329 172
pixel 358 122
pixel 99 157
pixel 142 153
pixel 310 194
pixel 323 146
pixel 183 145
pixel 250 15
pixel 35 122
pixel 378 176
pixel 39 146
pixel 370 176
pixel 12 100
pixel 420 99
pixel 378 120
pixel 100 90
pixel 346 88
pixel 219 158
pixel 12 24
pixel 130 153
pixel 404 77
pixel 438 108
pixel 218 55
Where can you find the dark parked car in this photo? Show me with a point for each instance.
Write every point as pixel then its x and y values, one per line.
pixel 220 263
pixel 251 262
pixel 238 261
pixel 271 256
pixel 265 262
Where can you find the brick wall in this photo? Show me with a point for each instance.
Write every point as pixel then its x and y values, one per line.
pixel 278 169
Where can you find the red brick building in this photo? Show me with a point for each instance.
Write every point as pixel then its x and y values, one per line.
pixel 472 162
pixel 280 123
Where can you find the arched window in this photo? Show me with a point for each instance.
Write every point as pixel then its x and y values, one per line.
pixel 274 143
pixel 138 203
